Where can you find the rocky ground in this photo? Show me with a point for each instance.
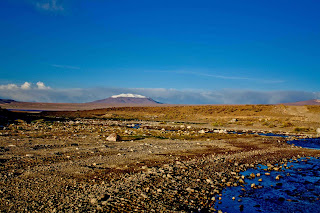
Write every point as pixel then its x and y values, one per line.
pixel 70 166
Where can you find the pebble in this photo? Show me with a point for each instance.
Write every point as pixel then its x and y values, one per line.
pixel 93 201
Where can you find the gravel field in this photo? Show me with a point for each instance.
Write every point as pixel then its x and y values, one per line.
pixel 70 166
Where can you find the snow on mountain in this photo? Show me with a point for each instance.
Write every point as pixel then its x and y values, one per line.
pixel 128 99
pixel 128 95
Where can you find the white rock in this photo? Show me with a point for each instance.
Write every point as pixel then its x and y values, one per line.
pixel 113 137
pixel 202 131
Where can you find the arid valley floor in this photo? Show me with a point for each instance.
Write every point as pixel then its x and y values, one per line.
pixel 168 159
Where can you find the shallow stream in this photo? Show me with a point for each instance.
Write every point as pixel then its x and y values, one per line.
pixel 297 188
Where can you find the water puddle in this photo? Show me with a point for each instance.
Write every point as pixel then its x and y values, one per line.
pixel 294 188
pixel 311 143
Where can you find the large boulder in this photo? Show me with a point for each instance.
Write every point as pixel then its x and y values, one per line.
pixel 114 137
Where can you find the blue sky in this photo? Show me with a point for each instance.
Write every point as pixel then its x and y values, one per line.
pixel 185 46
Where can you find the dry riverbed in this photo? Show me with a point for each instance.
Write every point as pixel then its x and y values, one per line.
pixel 71 167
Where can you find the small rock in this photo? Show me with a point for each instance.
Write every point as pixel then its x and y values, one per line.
pixel 202 131
pixel 104 203
pixel 113 137
pixel 93 201
pixel 144 195
pixel 209 180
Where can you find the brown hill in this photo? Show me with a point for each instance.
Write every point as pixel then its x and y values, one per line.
pixel 123 100
pixel 304 103
pixel 6 101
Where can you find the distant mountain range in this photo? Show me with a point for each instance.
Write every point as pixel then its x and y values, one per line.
pixel 127 99
pixel 121 100
pixel 6 101
pixel 302 103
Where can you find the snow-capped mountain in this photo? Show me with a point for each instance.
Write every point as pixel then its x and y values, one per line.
pixel 128 95
pixel 128 99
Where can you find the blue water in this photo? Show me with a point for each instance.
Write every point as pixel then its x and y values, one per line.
pixel 135 126
pixel 311 143
pixel 261 134
pixel 298 189
pixel 27 110
pixel 273 135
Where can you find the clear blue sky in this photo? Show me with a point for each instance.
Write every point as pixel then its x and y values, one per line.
pixel 255 45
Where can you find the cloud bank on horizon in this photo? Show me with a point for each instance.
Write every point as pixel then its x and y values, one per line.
pixel 39 92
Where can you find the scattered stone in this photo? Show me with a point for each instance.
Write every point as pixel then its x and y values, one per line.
pixel 93 201
pixel 144 195
pixel 252 175
pixel 234 120
pixel 113 137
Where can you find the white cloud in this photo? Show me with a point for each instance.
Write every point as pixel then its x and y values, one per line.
pixel 9 87
pixel 42 93
pixel 26 85
pixel 41 85
pixel 49 5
